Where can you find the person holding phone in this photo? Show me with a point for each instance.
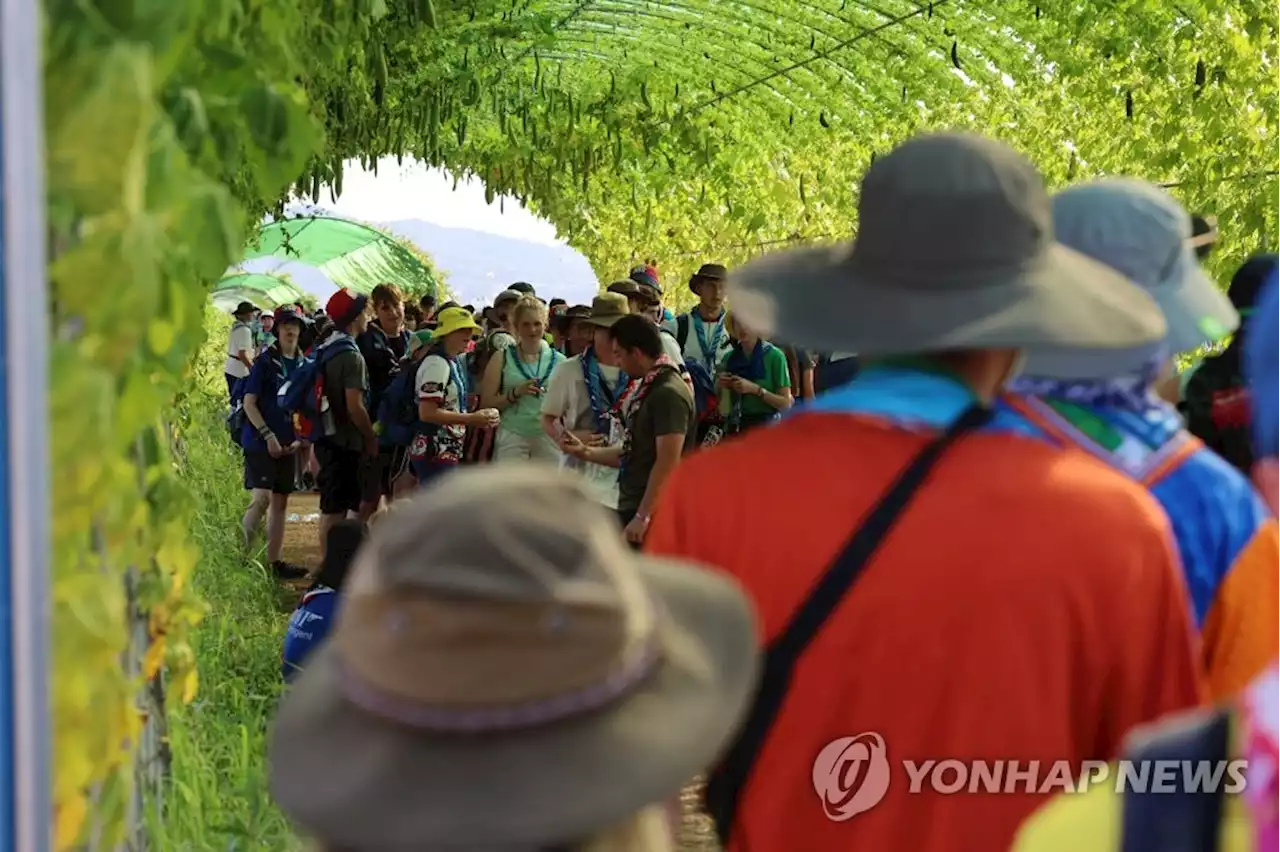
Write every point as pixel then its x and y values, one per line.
pixel 753 378
pixel 652 424
pixel 514 382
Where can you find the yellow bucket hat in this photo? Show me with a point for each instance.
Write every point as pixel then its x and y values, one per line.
pixel 454 319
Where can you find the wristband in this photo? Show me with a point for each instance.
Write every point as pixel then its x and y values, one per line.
pixel 264 430
pixel 269 436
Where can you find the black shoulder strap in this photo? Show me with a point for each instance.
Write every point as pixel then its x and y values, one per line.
pixel 682 331
pixel 727 781
pixel 1185 820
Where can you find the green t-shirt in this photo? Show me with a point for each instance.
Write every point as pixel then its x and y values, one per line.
pixel 666 410
pixel 344 372
pixel 776 377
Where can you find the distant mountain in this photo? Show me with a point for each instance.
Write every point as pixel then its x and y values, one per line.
pixel 480 265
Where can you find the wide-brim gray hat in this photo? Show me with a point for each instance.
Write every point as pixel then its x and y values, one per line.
pixel 954 250
pixel 506 672
pixel 1139 230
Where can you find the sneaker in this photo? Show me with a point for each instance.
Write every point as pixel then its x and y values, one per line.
pixel 287 571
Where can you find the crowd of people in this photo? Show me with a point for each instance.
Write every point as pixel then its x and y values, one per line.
pixel 402 400
pixel 996 526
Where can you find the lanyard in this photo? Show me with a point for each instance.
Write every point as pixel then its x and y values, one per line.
pixel 284 364
pixel 709 349
pixel 459 380
pixel 537 375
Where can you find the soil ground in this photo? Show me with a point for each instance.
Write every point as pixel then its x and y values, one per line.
pixel 302 547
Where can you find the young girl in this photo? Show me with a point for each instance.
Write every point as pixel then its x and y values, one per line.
pixel 442 399
pixel 514 382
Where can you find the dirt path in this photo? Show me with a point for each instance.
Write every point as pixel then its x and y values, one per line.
pixel 301 540
pixel 302 547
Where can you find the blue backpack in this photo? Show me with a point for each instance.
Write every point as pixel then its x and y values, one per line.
pixel 303 394
pixel 398 408
pixel 237 418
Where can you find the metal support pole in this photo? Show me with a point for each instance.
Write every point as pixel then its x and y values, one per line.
pixel 25 743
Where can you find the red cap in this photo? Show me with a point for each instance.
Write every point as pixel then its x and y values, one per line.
pixel 344 306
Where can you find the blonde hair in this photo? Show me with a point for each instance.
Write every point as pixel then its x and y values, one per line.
pixel 527 305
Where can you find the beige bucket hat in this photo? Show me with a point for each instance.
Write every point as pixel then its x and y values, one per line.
pixel 505 671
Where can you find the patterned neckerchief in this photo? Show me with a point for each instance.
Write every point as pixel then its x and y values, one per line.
pixel 631 398
pixel 1131 392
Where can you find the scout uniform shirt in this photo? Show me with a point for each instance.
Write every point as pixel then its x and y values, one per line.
pixel 440 379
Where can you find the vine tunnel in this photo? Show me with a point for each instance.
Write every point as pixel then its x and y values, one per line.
pixel 684 130
pixel 678 130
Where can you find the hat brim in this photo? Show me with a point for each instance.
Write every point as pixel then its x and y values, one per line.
pixel 1196 313
pixel 823 299
pixel 351 779
pixel 445 331
pixel 605 321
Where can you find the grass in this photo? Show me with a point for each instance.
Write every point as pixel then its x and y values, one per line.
pixel 218 797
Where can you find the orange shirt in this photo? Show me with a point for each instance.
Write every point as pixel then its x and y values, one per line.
pixel 1028 605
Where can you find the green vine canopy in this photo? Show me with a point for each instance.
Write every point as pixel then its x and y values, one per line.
pixel 679 130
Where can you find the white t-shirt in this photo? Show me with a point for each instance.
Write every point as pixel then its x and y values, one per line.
pixel 241 340
pixel 566 398
pixel 435 381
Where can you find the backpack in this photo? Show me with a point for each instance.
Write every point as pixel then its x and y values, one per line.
pixel 237 418
pixel 682 331
pixel 706 397
pixel 398 409
pixel 304 396
pixel 481 355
